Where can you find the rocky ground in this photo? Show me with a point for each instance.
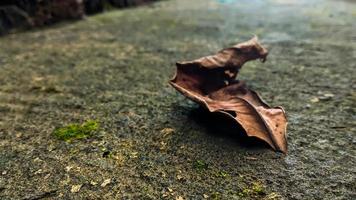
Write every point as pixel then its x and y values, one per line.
pixel 151 142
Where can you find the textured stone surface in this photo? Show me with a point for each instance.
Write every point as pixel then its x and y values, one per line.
pixel 153 143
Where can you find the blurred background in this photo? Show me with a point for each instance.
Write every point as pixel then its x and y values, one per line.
pixel 21 14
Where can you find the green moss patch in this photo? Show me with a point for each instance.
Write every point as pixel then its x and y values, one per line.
pixel 76 131
pixel 257 189
pixel 200 165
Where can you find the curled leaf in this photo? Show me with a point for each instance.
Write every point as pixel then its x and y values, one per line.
pixel 211 82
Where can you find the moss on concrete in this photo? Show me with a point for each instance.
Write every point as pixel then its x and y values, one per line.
pixel 76 131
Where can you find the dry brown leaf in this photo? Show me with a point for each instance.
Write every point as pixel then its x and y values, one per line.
pixel 210 81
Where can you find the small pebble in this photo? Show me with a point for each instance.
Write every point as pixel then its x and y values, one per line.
pixel 106 182
pixel 314 100
pixel 75 188
pixel 179 198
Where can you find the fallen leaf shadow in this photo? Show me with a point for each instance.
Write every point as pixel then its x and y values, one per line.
pixel 220 126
